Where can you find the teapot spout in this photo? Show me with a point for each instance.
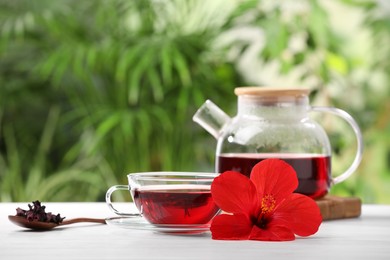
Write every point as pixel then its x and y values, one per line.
pixel 211 118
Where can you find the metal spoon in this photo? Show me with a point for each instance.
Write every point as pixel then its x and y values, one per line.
pixel 42 226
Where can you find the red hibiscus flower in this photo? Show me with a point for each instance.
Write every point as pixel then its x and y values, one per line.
pixel 263 207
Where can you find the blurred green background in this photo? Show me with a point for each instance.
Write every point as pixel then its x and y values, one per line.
pixel 93 90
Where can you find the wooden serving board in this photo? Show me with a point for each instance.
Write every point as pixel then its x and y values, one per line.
pixel 333 207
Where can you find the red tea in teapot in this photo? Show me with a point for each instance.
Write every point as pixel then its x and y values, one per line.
pixel 313 171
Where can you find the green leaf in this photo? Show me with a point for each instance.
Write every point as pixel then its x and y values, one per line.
pixel 156 85
pixel 166 64
pixel 337 63
pixel 127 61
pixel 108 124
pixel 319 24
pixel 128 126
pixel 276 37
pixel 181 67
pixel 138 72
pixel 165 120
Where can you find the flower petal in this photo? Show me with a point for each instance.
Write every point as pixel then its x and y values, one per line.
pixel 234 193
pixel 274 177
pixel 301 213
pixel 231 227
pixel 272 233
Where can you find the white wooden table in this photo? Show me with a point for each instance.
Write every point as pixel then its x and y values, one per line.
pixel 367 237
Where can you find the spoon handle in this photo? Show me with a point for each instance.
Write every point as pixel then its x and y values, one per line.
pixel 77 220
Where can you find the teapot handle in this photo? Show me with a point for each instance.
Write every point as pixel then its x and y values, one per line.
pixel 359 138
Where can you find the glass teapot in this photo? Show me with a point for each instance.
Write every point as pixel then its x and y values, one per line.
pixel 274 123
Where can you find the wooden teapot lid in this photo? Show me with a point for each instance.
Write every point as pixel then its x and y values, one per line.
pixel 271 91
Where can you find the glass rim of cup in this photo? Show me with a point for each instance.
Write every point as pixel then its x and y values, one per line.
pixel 172 175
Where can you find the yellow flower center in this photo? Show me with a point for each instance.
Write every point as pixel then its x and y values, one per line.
pixel 268 204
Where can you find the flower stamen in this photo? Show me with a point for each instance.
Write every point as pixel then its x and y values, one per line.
pixel 268 204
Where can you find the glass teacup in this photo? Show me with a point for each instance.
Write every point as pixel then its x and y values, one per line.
pixel 176 198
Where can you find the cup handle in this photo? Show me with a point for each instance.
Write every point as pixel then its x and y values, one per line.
pixel 109 203
pixel 359 138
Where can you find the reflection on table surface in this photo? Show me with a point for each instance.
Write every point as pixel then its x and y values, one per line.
pixel 358 238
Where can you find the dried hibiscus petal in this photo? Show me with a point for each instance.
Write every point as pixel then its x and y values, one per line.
pixel 37 212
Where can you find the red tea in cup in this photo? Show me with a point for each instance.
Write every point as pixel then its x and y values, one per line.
pixel 170 198
pixel 175 205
